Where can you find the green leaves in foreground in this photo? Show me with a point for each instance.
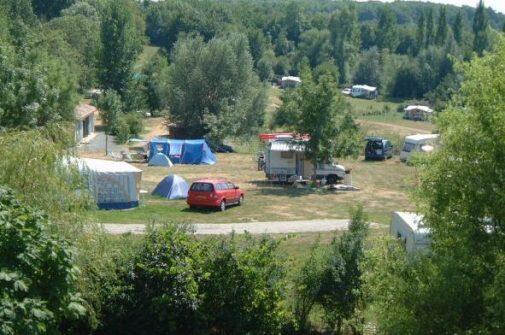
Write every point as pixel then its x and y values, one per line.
pixel 37 276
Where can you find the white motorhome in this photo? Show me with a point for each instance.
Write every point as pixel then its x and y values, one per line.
pixel 364 91
pixel 409 229
pixel 418 143
pixel 285 160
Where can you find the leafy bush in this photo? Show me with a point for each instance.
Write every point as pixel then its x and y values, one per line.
pixel 242 291
pixel 37 275
pixel 122 130
pixel 135 124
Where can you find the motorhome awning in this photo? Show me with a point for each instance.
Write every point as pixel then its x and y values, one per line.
pixel 283 146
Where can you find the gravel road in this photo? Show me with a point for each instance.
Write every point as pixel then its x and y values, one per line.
pixel 273 227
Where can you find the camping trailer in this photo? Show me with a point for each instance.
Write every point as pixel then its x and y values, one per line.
pixel 409 229
pixel 417 113
pixel 285 160
pixel 290 82
pixel 417 143
pixel 364 91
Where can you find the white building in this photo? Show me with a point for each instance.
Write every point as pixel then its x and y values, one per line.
pixel 409 228
pixel 84 121
pixel 364 91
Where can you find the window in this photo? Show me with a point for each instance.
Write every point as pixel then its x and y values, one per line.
pixel 408 147
pixel 287 154
pixel 201 187
pixel 231 186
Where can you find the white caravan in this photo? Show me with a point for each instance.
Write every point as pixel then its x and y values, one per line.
pixel 410 230
pixel 418 143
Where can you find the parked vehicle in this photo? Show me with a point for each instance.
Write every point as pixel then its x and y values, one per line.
pixel 285 161
pixel 378 148
pixel 417 143
pixel 218 193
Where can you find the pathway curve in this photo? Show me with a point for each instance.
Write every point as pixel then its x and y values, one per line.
pixel 273 227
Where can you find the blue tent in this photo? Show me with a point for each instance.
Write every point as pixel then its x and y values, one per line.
pixel 183 151
pixel 172 187
pixel 160 159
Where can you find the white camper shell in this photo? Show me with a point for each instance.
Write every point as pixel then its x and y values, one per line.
pixel 409 229
pixel 285 161
pixel 364 91
pixel 418 143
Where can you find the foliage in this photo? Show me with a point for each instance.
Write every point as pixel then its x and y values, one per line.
pixel 111 108
pixel 50 9
pixel 157 292
pixel 32 165
pixel 480 29
pixel 242 288
pixel 155 77
pixel 319 110
pixel 37 276
pixel 331 277
pixel 213 89
pixel 454 289
pixel 134 122
pixel 120 47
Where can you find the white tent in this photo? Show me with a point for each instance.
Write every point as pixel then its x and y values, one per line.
pixel 114 185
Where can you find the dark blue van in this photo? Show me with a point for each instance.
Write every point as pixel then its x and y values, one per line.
pixel 378 148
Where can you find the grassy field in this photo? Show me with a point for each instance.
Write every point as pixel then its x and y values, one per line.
pixel 384 188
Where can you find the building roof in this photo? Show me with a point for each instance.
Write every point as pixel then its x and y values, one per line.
pixel 364 87
pixel 291 78
pixel 84 110
pixel 286 146
pixel 420 137
pixel 425 109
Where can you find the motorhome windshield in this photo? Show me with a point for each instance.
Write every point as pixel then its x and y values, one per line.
pixel 408 147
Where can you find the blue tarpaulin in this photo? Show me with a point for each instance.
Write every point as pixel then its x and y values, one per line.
pixel 183 151
pixel 172 187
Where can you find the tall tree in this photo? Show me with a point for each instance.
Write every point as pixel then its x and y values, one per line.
pixel 480 29
pixel 441 35
pixel 345 39
pixel 421 28
pixel 120 47
pixel 430 28
pixel 213 89
pixel 387 33
pixel 50 9
pixel 324 115
pixel 457 27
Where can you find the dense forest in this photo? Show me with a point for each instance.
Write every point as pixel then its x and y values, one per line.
pixel 407 49
pixel 212 66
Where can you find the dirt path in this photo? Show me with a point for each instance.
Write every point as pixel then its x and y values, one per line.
pixel 395 127
pixel 273 227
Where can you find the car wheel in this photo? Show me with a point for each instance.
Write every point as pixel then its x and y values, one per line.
pixel 241 200
pixel 222 206
pixel 192 207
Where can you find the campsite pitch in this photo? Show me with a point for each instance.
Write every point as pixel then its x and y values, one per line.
pixel 384 189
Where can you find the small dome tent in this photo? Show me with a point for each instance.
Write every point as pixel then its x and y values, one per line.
pixel 172 187
pixel 160 159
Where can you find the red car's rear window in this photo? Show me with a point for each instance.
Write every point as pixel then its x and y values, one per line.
pixel 202 187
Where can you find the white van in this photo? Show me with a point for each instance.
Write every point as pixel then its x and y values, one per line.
pixel 418 143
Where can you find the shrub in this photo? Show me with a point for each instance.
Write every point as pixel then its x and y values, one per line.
pixel 37 275
pixel 122 130
pixel 135 124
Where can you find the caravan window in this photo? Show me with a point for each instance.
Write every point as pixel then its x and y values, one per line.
pixel 287 154
pixel 408 147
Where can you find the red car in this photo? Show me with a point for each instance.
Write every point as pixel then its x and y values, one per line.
pixel 218 193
